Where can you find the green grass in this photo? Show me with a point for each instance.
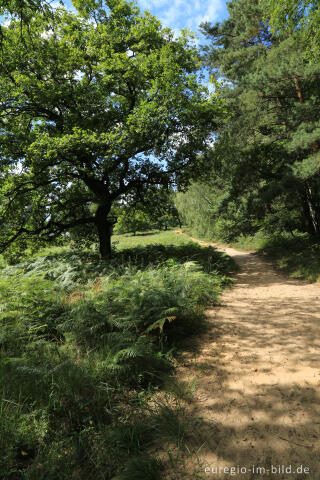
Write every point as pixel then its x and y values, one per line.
pixel 87 348
pixel 154 237
pixel 251 242
pixel 298 255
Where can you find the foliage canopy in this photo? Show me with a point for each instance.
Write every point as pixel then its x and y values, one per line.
pixel 265 161
pixel 93 106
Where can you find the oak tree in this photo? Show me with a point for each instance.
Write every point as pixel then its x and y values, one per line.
pixel 94 105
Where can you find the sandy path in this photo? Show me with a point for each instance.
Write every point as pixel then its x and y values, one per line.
pixel 258 376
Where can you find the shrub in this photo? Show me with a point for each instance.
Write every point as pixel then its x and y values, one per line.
pixel 84 345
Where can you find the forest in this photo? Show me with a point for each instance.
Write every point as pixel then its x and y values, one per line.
pixel 139 170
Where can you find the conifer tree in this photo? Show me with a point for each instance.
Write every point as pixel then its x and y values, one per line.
pixel 267 150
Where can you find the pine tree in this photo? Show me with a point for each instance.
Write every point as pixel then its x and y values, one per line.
pixel 267 150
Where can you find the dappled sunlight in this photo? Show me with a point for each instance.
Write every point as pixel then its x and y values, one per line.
pixel 259 403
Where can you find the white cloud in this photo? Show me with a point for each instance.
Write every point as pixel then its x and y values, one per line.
pixel 189 14
pixel 6 22
pixel 55 5
pixel 78 75
pixel 150 4
pixel 46 34
pixel 210 86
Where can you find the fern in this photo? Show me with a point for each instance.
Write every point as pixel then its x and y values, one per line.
pixel 83 343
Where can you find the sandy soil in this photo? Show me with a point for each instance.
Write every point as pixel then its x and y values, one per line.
pixel 257 372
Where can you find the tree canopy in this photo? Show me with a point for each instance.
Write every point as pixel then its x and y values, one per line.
pixel 93 106
pixel 301 16
pixel 265 160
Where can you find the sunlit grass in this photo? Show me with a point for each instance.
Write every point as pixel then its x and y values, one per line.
pixel 153 237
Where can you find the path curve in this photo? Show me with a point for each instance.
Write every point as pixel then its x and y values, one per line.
pixel 258 376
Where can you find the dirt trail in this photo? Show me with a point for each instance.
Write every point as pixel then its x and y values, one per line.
pixel 258 376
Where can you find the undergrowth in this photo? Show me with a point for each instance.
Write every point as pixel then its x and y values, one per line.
pixel 86 349
pixel 298 255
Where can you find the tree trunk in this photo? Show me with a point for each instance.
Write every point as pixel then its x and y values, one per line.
pixel 311 225
pixel 298 90
pixel 104 231
pixel 104 241
pixel 314 214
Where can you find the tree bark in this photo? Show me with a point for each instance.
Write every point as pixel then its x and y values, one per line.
pixel 298 90
pixel 311 224
pixel 104 231
pixel 314 213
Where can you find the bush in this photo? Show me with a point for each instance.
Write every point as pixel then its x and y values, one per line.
pixel 84 344
pixel 297 254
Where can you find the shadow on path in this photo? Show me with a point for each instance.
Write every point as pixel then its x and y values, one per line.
pixel 258 376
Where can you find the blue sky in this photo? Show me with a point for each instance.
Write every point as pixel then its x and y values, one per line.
pixel 178 14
